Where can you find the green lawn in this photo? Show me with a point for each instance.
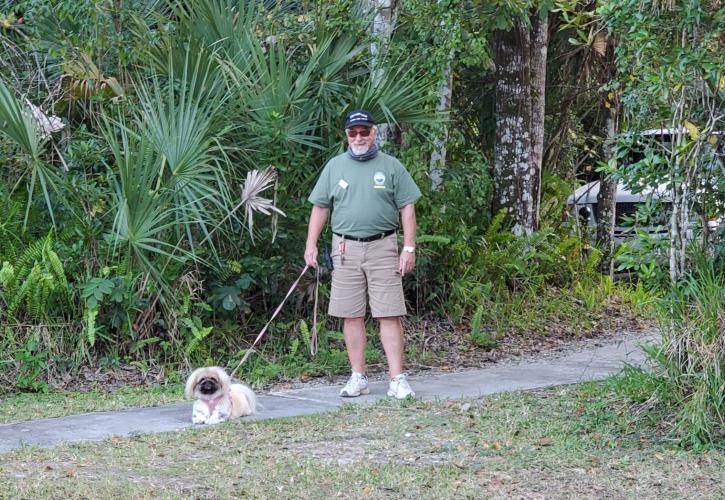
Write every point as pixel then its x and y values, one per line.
pixel 29 406
pixel 565 442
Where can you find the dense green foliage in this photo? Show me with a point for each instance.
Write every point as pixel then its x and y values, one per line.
pixel 670 59
pixel 140 223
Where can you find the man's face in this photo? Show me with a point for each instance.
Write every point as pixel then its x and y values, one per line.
pixel 360 138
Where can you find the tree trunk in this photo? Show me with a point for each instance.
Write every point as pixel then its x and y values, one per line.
pixel 520 57
pixel 606 199
pixel 606 202
pixel 438 156
pixel 443 108
pixel 386 15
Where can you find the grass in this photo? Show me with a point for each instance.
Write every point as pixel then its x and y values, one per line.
pixel 565 442
pixel 588 306
pixel 26 406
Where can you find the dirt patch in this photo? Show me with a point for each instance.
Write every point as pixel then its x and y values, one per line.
pixel 94 377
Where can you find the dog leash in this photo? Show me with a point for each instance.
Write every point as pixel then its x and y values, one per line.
pixel 313 339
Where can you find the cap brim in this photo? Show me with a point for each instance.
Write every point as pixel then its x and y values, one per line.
pixel 359 123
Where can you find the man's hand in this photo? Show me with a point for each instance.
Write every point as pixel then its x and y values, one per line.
pixel 407 262
pixel 311 256
pixel 318 217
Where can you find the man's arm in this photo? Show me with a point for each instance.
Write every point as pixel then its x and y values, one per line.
pixel 318 218
pixel 407 218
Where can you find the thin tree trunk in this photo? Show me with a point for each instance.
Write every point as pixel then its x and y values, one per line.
pixel 438 157
pixel 606 199
pixel 443 108
pixel 606 202
pixel 679 216
pixel 539 51
pixel 520 81
pixel 386 15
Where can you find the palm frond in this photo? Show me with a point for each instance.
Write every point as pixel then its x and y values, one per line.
pixel 182 123
pixel 143 211
pixel 400 94
pixel 256 182
pixel 21 127
pixel 18 124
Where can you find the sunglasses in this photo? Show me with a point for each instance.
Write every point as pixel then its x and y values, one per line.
pixel 362 133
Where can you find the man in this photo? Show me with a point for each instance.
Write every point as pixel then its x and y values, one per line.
pixel 369 193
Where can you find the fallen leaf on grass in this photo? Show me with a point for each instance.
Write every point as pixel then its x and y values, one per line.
pixel 545 441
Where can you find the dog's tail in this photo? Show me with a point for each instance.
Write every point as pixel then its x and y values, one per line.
pixel 250 396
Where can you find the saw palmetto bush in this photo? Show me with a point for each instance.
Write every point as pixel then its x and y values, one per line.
pixel 19 125
pixel 219 109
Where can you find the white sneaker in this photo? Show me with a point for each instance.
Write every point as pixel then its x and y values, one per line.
pixel 358 384
pixel 400 388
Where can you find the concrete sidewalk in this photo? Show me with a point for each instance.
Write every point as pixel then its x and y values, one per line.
pixel 588 364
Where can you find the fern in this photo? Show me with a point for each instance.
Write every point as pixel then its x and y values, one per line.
pixel 37 275
pixel 32 254
pixel 476 322
pixel 294 347
pixel 306 336
pixel 11 221
pixel 198 333
pixel 56 267
pixel 497 233
pixel 21 293
pixel 90 327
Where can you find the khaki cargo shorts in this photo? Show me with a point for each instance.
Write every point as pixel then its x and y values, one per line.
pixel 371 268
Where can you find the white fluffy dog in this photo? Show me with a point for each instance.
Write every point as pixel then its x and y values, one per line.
pixel 217 399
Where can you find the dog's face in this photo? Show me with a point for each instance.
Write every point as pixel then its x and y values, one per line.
pixel 207 383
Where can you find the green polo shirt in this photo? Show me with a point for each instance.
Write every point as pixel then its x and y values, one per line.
pixel 365 196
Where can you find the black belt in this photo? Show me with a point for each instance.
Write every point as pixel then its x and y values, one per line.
pixel 366 238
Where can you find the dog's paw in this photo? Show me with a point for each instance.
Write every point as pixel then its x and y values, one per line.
pixel 198 419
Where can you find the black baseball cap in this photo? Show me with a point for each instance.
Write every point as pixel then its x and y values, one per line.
pixel 359 117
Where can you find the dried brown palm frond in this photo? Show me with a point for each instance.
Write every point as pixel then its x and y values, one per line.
pixel 256 182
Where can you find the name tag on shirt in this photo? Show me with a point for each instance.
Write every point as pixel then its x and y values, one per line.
pixel 343 184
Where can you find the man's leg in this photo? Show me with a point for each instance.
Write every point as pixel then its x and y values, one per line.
pixel 353 330
pixel 391 334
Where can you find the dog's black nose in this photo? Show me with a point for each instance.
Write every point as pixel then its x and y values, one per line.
pixel 208 387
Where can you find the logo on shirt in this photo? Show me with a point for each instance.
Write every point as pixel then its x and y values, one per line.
pixel 379 179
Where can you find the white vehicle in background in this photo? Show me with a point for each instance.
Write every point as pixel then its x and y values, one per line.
pixel 583 205
pixel 647 210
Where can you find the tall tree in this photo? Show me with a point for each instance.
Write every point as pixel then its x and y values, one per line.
pixel 451 30
pixel 606 199
pixel 520 55
pixel 386 15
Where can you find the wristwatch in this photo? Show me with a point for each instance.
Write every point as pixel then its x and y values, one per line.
pixel 409 249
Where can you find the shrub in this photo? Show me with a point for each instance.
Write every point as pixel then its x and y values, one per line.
pixel 690 362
